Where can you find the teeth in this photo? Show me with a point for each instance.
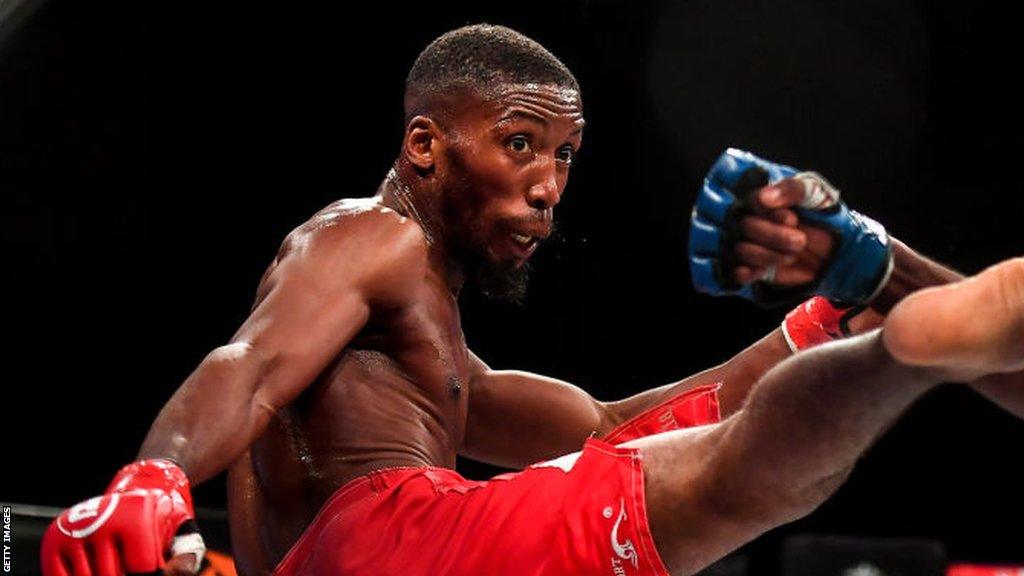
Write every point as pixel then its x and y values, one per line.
pixel 522 239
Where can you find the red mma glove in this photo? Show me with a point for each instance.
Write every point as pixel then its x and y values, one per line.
pixel 144 519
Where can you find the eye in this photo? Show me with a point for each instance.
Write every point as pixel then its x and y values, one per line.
pixel 566 154
pixel 518 143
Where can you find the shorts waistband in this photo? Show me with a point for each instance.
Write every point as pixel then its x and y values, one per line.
pixel 353 491
pixel 377 481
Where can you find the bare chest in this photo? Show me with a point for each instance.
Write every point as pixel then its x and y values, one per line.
pixel 416 359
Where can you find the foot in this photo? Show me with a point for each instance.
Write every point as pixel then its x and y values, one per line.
pixel 972 328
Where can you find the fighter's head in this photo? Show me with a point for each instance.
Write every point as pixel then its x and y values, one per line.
pixel 493 122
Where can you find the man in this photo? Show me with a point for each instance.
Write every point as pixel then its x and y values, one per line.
pixel 341 403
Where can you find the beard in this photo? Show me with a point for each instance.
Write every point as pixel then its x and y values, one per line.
pixel 502 282
pixel 506 281
pixel 495 280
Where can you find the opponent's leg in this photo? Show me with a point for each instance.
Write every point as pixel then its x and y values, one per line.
pixel 711 489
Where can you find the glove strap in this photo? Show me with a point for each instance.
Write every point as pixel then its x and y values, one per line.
pixel 154 474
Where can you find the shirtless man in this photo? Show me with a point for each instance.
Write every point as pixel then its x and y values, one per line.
pixel 341 403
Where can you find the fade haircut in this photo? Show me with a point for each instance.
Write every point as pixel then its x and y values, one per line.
pixel 479 59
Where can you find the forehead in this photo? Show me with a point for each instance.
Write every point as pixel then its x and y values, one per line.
pixel 544 102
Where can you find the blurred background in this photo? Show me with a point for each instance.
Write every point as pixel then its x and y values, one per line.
pixel 153 156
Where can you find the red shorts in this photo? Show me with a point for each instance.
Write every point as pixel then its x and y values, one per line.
pixel 583 513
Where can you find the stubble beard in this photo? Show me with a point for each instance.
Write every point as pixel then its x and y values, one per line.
pixel 501 282
pixel 505 281
pixel 495 280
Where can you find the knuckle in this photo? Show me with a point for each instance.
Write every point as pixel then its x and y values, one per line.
pixel 777 235
pixel 755 254
pixel 757 229
pixel 745 250
pixel 748 225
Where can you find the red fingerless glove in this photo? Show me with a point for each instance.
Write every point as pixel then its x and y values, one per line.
pixel 144 517
pixel 815 322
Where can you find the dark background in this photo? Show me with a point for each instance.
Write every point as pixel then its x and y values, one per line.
pixel 153 155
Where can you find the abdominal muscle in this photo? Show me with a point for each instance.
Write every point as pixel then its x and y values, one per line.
pixel 362 415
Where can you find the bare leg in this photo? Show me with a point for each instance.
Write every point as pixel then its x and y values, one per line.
pixel 809 419
pixel 972 326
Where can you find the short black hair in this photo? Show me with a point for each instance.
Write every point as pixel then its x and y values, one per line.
pixel 478 58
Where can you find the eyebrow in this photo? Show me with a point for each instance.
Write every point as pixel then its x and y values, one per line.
pixel 533 117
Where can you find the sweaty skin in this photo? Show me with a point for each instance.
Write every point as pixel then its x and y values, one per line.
pixel 353 358
pixel 395 395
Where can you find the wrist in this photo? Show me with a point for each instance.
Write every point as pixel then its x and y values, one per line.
pixel 911 273
pixel 816 322
pixel 161 474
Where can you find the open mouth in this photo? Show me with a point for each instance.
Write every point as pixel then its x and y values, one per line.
pixel 524 244
pixel 524 240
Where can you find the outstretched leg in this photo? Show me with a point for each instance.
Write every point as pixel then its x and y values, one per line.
pixel 808 420
pixel 973 326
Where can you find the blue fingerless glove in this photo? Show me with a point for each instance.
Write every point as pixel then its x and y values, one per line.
pixel 857 269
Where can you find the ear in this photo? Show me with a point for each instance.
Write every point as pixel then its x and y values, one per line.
pixel 423 143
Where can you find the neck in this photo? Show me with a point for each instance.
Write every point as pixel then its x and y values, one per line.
pixel 412 202
pixel 409 205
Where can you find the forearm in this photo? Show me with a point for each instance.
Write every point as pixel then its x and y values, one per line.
pixel 737 376
pixel 214 416
pixel 911 272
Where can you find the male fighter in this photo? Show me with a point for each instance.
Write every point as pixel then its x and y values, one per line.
pixel 340 404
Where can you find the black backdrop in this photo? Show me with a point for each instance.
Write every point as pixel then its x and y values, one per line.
pixel 152 157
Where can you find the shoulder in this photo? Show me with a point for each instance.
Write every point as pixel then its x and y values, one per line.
pixel 359 241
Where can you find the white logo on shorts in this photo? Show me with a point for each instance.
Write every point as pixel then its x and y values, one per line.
pixel 625 550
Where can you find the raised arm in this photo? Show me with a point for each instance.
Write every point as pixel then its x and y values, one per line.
pixel 311 302
pixel 518 418
pixel 315 297
pixel 763 230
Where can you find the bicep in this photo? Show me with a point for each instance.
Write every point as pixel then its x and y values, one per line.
pixel 516 418
pixel 303 319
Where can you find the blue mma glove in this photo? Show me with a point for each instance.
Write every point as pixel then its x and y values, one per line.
pixel 856 270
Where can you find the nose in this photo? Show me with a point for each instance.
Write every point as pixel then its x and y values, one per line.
pixel 545 193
